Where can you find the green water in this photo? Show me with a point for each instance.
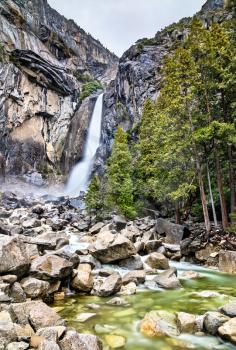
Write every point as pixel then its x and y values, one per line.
pixel 124 320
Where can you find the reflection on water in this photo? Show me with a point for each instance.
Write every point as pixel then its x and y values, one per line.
pixel 124 320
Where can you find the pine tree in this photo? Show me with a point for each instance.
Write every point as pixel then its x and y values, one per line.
pixel 94 198
pixel 120 189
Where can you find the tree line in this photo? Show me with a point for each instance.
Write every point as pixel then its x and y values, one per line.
pixel 184 159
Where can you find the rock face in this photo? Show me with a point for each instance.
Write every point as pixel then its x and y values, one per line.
pixel 42 68
pixel 13 255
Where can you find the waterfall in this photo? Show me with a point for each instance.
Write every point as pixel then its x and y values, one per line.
pixel 79 177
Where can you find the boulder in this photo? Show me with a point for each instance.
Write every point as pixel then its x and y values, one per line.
pixel 17 346
pixel 115 341
pixel 132 263
pixel 152 245
pixel 136 276
pixel 83 281
pixel 51 333
pixel 186 322
pixel 168 279
pixel 117 249
pixel 128 289
pixel 157 261
pixel 228 330
pixel 110 286
pixel 229 309
pixel 159 324
pixel 37 313
pixel 205 253
pixel 13 256
pixel 174 233
pixel 96 228
pixel 17 294
pixel 75 341
pixel 48 345
pixel 227 261
pixel 214 320
pixel 119 222
pixel 34 288
pixel 49 267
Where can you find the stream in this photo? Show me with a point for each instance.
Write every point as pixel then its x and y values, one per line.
pixel 124 320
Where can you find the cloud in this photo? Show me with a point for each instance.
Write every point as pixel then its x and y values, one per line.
pixel 119 23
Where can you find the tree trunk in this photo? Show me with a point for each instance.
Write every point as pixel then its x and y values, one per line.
pixel 211 196
pixel 203 197
pixel 177 213
pixel 225 221
pixel 231 181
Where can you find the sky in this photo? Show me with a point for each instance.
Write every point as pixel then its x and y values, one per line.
pixel 118 24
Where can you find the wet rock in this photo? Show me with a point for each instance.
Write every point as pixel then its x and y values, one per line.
pixel 132 263
pixel 157 261
pixel 37 313
pixel 227 261
pixel 119 248
pixel 83 281
pixel 111 285
pixel 136 276
pixel 188 275
pixel 34 287
pixel 85 317
pixel 128 289
pixel 229 309
pixel 186 322
pixel 168 279
pixel 214 320
pixel 13 256
pixel 50 267
pixel 228 330
pixel 117 302
pixel 159 324
pixel 115 341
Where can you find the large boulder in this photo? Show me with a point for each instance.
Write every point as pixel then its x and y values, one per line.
pixel 174 233
pixel 118 248
pixel 109 286
pixel 157 261
pixel 83 281
pixel 132 263
pixel 13 256
pixel 49 267
pixel 35 288
pixel 159 324
pixel 75 341
pixel 229 309
pixel 37 313
pixel 136 276
pixel 168 279
pixel 186 322
pixel 228 330
pixel 213 320
pixel 227 261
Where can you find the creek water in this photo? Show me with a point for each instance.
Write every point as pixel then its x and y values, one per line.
pixel 124 320
pixel 79 177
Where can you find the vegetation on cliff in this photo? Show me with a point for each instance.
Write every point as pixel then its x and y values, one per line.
pixel 184 156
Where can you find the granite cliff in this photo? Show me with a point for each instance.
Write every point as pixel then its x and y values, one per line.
pixel 45 61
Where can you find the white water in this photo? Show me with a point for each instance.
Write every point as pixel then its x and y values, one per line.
pixel 79 177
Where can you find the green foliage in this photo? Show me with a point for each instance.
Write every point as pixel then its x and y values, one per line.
pixel 44 169
pixel 83 77
pixel 89 88
pixel 120 190
pixel 94 198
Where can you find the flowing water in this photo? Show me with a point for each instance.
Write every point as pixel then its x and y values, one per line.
pixel 124 320
pixel 79 177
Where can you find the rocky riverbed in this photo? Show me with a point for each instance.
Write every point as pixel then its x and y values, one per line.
pixel 68 279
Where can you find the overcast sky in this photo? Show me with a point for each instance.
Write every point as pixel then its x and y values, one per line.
pixel 120 23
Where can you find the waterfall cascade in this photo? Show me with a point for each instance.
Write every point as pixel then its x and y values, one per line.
pixel 79 177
